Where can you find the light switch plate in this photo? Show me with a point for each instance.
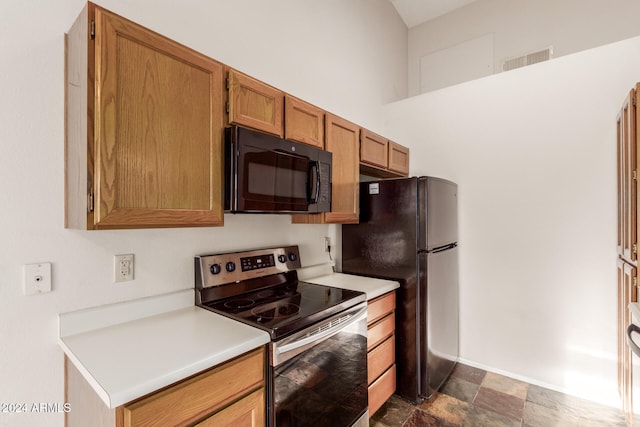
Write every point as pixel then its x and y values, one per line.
pixel 37 278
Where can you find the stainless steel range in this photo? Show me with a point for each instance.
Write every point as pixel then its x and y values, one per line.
pixel 318 350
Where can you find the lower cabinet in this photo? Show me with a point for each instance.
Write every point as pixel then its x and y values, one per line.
pixel 381 355
pixel 232 393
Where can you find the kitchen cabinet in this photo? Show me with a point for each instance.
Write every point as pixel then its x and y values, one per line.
pixel 232 393
pixel 342 139
pixel 303 122
pixel 381 350
pixel 254 104
pixel 144 119
pixel 382 158
pixel 627 159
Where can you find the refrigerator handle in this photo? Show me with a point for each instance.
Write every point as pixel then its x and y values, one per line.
pixel 442 248
pixel 632 345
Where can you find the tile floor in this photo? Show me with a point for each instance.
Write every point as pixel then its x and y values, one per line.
pixel 473 397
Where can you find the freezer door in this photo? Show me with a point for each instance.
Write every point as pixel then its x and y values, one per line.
pixel 440 335
pixel 438 213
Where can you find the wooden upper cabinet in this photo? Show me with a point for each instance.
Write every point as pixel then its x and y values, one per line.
pixel 373 149
pixel 144 128
pixel 343 140
pixel 398 158
pixel 303 122
pixel 255 104
pixel 382 158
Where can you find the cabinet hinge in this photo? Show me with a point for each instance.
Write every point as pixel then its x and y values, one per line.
pixel 226 83
pixel 90 201
pixel 226 107
pixel 634 175
pixel 634 248
pixel 92 30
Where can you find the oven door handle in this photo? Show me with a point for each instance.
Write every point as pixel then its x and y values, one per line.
pixel 321 334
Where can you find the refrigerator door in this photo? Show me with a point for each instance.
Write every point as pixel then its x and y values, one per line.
pixel 438 213
pixel 383 244
pixel 440 315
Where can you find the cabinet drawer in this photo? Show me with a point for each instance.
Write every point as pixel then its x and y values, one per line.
pixel 381 306
pixel 192 399
pixel 380 330
pixel 380 359
pixel 381 390
pixel 249 412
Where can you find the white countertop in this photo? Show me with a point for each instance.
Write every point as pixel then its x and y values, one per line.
pixel 369 285
pixel 133 348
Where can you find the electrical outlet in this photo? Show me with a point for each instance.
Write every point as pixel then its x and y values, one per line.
pixel 122 268
pixel 37 278
pixel 327 244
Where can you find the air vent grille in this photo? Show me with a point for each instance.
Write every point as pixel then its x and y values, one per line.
pixel 528 59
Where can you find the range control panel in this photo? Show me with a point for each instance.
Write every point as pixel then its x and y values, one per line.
pixel 230 267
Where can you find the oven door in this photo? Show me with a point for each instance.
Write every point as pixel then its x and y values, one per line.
pixel 319 375
pixel 275 175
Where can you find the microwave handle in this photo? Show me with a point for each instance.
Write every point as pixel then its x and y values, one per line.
pixel 313 199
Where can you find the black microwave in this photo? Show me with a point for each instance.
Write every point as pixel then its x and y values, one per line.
pixel 268 174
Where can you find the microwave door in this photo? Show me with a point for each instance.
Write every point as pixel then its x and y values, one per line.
pixel 274 181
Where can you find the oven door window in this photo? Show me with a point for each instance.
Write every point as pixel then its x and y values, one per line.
pixel 326 385
pixel 275 180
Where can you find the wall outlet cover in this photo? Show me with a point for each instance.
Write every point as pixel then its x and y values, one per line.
pixel 37 278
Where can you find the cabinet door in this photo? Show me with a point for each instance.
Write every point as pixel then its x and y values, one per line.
pixel 342 139
pixel 303 122
pixel 398 158
pixel 627 179
pixel 247 412
pixel 255 104
pixel 373 149
pixel 158 130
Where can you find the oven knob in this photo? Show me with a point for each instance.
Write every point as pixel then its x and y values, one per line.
pixel 231 266
pixel 293 256
pixel 215 269
pixel 282 258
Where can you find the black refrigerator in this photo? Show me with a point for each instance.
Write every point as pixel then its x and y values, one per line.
pixel 408 232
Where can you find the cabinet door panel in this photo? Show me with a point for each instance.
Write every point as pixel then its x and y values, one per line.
pixel 373 149
pixel 342 139
pixel 247 412
pixel 158 130
pixel 255 104
pixel 398 158
pixel 303 122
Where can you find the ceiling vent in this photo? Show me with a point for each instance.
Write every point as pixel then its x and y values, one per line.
pixel 528 59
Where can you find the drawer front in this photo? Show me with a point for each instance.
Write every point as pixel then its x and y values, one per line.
pixel 381 330
pixel 381 306
pixel 380 359
pixel 381 390
pixel 193 399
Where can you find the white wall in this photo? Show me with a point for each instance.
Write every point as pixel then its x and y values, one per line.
pixel 347 57
pixel 534 154
pixel 520 27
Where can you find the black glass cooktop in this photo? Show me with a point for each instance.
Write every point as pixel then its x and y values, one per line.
pixel 286 308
